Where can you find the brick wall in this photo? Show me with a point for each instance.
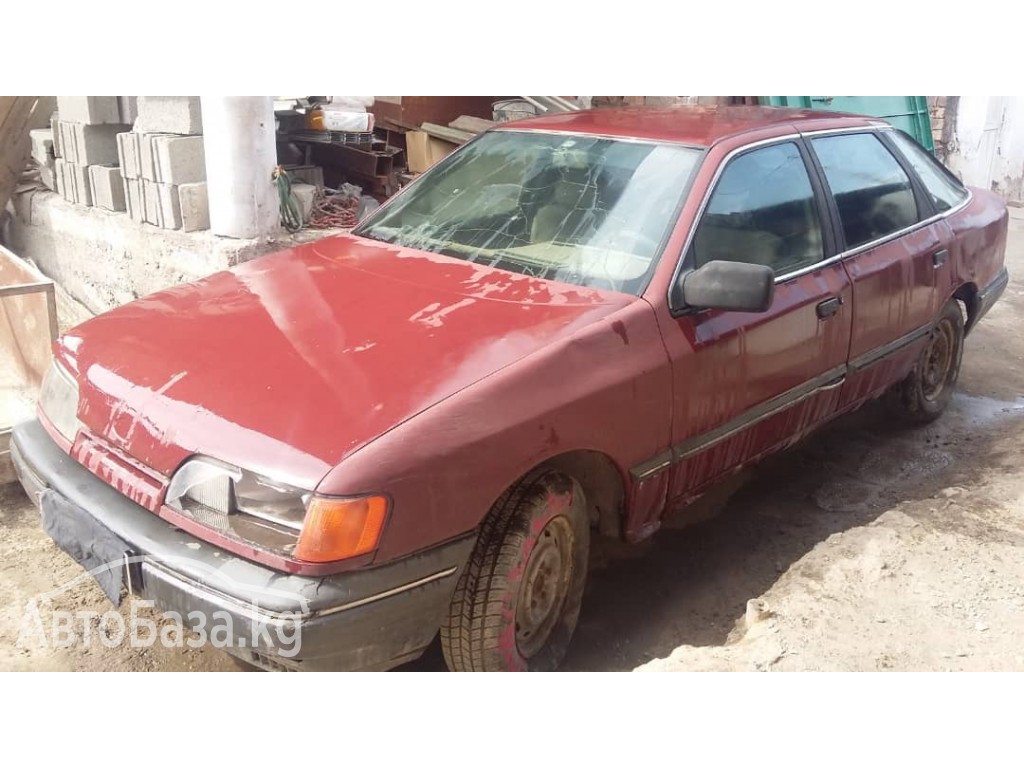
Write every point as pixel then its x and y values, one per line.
pixel 942 110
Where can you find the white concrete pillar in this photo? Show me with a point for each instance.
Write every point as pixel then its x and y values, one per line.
pixel 241 153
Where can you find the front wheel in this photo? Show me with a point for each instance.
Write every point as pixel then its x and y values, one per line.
pixel 925 393
pixel 516 604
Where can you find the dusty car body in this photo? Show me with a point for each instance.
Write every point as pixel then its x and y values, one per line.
pixel 455 425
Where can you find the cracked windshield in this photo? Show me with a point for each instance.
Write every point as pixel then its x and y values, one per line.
pixel 576 209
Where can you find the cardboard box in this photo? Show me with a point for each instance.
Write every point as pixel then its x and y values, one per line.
pixel 422 150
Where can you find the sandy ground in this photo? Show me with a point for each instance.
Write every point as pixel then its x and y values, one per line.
pixel 866 548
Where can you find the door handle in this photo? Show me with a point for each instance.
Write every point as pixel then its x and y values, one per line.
pixel 939 258
pixel 829 307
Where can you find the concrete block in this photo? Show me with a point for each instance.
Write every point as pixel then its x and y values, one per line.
pixel 128 154
pixel 305 194
pixel 67 147
pixel 170 206
pixel 169 114
pixel 307 174
pixel 163 207
pixel 178 159
pixel 151 202
pixel 82 188
pixel 147 160
pixel 67 182
pixel 68 144
pixel 90 144
pixel 55 134
pixel 90 110
pixel 58 176
pixel 83 185
pixel 128 108
pixel 195 206
pixel 135 200
pixel 70 191
pixel 107 186
pixel 42 146
pixel 48 177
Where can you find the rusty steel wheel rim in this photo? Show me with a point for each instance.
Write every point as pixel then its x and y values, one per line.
pixel 937 361
pixel 544 587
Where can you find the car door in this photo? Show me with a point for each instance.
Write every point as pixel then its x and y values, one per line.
pixel 745 383
pixel 896 254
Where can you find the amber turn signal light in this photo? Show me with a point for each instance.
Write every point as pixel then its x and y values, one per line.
pixel 335 529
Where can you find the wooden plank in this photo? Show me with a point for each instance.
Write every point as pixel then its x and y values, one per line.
pixel 20 290
pixel 447 134
pixel 471 124
pixel 23 113
pixel 409 112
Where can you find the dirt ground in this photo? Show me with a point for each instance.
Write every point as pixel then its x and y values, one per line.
pixel 865 548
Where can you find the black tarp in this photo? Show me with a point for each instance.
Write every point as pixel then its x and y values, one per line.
pixel 83 537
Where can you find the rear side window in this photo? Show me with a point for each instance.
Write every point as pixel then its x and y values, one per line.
pixel 871 189
pixel 762 211
pixel 944 190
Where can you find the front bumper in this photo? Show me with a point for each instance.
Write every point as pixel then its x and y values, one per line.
pixel 366 619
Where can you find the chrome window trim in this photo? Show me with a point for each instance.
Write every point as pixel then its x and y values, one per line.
pixel 809 268
pixel 607 136
pixel 907 230
pixel 880 126
pixel 832 259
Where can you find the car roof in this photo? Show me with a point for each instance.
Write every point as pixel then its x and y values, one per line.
pixel 699 126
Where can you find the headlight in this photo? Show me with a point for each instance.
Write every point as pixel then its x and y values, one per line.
pixel 276 516
pixel 211 490
pixel 58 400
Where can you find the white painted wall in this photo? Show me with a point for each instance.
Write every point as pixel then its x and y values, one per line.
pixel 988 144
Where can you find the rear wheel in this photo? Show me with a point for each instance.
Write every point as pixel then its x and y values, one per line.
pixel 516 604
pixel 925 393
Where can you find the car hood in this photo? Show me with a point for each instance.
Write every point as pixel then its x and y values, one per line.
pixel 288 363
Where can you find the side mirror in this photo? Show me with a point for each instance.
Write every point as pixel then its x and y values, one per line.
pixel 729 285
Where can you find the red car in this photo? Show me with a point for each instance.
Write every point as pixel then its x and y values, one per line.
pixel 567 328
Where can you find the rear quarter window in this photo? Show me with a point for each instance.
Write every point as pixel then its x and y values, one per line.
pixel 943 189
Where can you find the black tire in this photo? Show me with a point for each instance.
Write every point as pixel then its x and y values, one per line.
pixel 517 601
pixel 925 393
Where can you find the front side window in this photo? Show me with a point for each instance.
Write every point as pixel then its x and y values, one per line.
pixel 944 190
pixel 577 209
pixel 871 189
pixel 762 211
